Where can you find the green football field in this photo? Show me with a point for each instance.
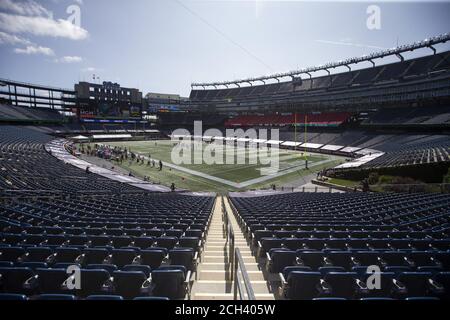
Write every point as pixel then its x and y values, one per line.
pixel 287 166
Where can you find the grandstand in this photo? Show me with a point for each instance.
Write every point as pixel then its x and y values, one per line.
pixel 321 245
pixel 92 187
pixel 406 80
pixel 24 114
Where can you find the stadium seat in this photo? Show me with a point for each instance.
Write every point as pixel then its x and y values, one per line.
pixel 108 267
pixel 153 257
pixel 278 259
pixel 121 257
pixel 32 265
pixel 56 297
pixel 11 254
pixel 94 282
pixel 38 254
pixel 166 242
pixel 66 255
pixel 143 242
pixel 151 299
pixel 302 285
pixel 12 297
pixel 325 270
pixel 104 298
pixel 415 284
pixel 189 242
pixel 133 267
pixel 130 284
pixel 13 280
pixel 94 256
pixel 184 257
pixel 50 281
pixel 341 284
pixel 171 282
pixel 344 259
pixel 312 259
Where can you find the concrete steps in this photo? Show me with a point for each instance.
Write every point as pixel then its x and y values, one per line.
pixel 229 296
pixel 213 282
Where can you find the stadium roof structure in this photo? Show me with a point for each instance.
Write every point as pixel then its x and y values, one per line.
pixel 397 51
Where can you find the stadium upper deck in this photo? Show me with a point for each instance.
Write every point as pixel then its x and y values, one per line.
pixel 405 81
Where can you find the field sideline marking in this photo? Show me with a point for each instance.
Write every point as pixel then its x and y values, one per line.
pixel 234 184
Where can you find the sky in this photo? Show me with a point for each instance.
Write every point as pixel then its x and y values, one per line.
pixel 165 45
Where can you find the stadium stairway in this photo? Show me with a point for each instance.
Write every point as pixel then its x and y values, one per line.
pixel 213 277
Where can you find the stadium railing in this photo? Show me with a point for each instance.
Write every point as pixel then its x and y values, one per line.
pixel 237 273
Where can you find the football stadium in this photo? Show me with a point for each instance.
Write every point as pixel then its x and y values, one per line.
pixel 328 182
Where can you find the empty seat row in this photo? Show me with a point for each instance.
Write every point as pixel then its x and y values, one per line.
pixel 152 257
pixel 168 242
pixel 134 281
pixel 278 259
pixel 306 285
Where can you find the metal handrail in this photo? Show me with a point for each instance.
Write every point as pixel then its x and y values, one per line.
pixel 238 282
pixel 235 263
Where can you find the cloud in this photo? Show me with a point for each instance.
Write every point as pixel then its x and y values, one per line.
pixel 24 8
pixel 33 50
pixel 69 59
pixel 80 2
pixel 41 26
pixel 13 40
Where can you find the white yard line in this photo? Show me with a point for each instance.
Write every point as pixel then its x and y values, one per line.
pixel 234 184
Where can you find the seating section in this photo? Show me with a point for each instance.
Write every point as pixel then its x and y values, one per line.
pixel 430 152
pixel 321 119
pixel 401 71
pixel 321 245
pixel 124 242
pixel 18 113
pixel 422 115
pixel 26 165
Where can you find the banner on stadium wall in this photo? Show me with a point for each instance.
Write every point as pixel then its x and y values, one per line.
pixel 163 108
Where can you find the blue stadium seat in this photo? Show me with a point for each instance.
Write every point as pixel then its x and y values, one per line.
pixel 170 282
pixel 278 259
pixel 13 280
pixel 183 257
pixel 122 257
pixel 104 298
pixel 341 284
pixel 133 267
pixel 151 299
pixel 153 257
pixel 130 284
pixel 303 285
pixel 11 254
pixel 56 297
pixel 143 242
pixel 50 281
pixel 12 297
pixel 166 242
pixel 108 267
